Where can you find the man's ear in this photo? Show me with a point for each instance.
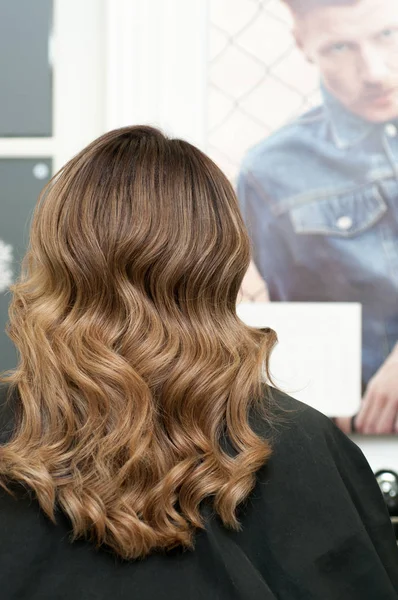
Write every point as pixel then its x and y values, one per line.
pixel 300 45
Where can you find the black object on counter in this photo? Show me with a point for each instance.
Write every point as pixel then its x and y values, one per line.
pixel 388 482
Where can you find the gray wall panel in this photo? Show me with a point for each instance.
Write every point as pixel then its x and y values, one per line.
pixel 25 73
pixel 21 182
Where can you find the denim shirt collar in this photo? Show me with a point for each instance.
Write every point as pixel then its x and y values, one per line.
pixel 347 128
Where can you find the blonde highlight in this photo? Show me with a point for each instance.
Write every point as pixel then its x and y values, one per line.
pixel 133 364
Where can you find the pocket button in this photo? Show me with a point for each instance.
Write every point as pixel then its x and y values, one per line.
pixel 344 223
pixel 391 130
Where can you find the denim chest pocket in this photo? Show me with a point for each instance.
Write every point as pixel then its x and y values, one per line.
pixel 344 215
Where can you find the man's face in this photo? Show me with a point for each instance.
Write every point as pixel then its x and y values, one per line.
pixel 355 47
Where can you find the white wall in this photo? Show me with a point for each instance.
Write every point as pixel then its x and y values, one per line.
pixel 380 451
pixel 157 65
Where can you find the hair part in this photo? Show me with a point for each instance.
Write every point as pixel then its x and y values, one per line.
pixel 133 364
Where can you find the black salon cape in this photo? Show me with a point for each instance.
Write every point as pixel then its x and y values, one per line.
pixel 315 527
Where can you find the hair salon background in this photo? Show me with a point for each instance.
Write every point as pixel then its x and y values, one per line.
pixel 258 80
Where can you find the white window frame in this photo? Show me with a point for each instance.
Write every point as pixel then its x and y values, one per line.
pixel 122 62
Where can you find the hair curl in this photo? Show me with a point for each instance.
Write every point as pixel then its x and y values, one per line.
pixel 133 363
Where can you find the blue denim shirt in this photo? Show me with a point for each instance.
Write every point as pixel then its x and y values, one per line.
pixel 320 200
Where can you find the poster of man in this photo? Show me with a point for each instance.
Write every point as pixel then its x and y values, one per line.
pixel 320 194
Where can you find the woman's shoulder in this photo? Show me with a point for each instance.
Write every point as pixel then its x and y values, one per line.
pixel 316 519
pixel 308 448
pixel 285 420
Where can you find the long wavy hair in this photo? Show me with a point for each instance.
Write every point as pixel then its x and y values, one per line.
pixel 133 364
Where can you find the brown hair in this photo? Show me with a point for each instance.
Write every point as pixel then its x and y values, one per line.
pixel 133 363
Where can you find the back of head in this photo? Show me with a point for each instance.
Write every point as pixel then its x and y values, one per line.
pixel 132 361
